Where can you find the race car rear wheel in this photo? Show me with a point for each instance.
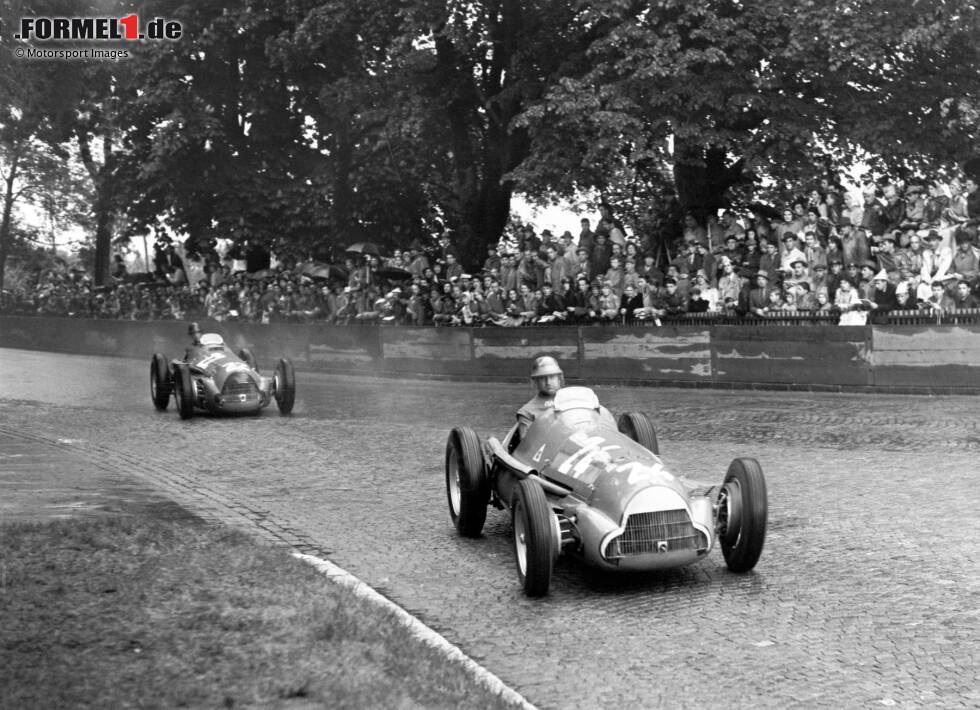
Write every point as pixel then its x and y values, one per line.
pixel 534 538
pixel 743 509
pixel 160 385
pixel 467 485
pixel 248 358
pixel 284 385
pixel 637 426
pixel 184 391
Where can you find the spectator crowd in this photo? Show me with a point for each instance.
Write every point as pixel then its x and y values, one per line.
pixel 896 247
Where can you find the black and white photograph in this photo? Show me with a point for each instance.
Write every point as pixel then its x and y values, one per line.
pixel 491 354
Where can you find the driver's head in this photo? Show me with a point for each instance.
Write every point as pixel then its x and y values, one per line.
pixel 194 331
pixel 547 376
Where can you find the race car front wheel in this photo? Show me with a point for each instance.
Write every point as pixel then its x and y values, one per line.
pixel 159 382
pixel 743 509
pixel 534 538
pixel 637 426
pixel 184 389
pixel 284 385
pixel 467 486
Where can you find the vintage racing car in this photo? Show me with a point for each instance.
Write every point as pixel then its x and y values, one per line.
pixel 215 379
pixel 581 482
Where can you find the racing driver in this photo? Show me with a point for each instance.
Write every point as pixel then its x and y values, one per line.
pixel 547 378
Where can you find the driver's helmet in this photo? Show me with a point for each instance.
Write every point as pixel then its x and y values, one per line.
pixel 544 366
pixel 194 330
pixel 542 371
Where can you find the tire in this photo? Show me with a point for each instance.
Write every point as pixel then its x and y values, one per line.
pixel 637 426
pixel 184 391
pixel 534 540
pixel 160 384
pixel 248 358
pixel 467 483
pixel 743 510
pixel 284 385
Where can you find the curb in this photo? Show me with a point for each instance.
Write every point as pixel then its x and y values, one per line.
pixel 418 629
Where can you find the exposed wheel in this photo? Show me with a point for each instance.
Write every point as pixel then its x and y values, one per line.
pixel 637 426
pixel 160 386
pixel 246 355
pixel 743 509
pixel 467 484
pixel 533 538
pixel 284 385
pixel 184 391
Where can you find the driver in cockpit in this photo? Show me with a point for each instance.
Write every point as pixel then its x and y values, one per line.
pixel 547 378
pixel 196 347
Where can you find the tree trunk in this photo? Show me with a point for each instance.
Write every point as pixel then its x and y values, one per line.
pixel 702 177
pixel 103 234
pixel 5 224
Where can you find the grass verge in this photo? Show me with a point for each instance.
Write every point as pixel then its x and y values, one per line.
pixel 122 612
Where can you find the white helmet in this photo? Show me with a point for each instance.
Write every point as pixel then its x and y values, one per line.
pixel 544 366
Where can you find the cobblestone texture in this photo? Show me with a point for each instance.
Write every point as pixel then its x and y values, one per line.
pixel 865 595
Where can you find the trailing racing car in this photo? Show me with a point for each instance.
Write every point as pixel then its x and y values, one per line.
pixel 580 482
pixel 215 379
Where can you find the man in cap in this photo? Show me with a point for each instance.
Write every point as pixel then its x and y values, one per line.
pixel 966 261
pixel 882 294
pixel 759 296
pixel 547 378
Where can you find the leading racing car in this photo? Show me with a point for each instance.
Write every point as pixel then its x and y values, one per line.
pixel 215 379
pixel 580 482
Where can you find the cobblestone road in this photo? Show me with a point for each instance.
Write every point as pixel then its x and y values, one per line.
pixel 865 596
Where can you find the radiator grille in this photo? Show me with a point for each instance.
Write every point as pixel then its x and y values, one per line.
pixel 239 383
pixel 661 531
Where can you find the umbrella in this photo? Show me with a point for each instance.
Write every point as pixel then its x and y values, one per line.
pixel 393 272
pixel 325 272
pixel 363 248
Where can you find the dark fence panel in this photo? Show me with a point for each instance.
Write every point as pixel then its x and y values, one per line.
pixel 927 356
pixel 344 348
pixel 667 353
pixel 815 355
pixel 425 351
pixel 508 352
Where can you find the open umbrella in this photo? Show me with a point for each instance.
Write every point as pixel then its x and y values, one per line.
pixel 393 273
pixel 325 272
pixel 363 248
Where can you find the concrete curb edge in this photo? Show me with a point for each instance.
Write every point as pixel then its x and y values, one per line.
pixel 418 629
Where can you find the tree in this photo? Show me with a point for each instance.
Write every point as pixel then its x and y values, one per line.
pixel 722 94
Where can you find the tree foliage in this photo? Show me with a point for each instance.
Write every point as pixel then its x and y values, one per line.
pixel 306 125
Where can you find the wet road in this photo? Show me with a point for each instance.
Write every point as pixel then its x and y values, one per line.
pixel 865 595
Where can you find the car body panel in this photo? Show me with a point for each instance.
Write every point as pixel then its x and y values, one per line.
pixel 223 382
pixel 624 508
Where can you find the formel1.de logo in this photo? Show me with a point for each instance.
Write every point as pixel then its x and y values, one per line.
pixel 99 29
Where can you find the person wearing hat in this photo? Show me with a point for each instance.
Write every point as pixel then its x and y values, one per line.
pixel 854 244
pixel 866 279
pixel 759 296
pixel 798 275
pixel 882 296
pixel 819 278
pixel 886 258
pixel 966 258
pixel 546 378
